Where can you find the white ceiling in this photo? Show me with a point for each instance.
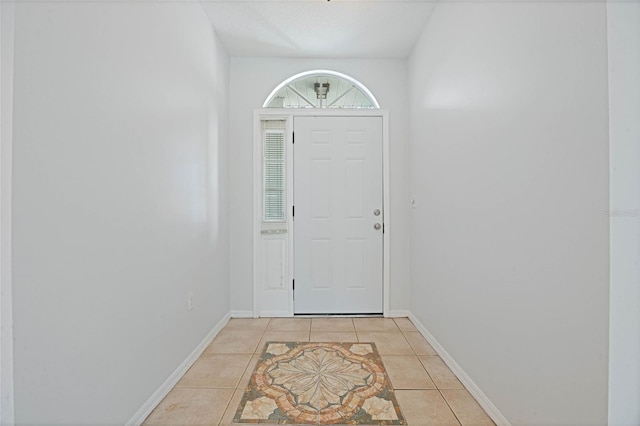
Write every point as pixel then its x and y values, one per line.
pixel 319 28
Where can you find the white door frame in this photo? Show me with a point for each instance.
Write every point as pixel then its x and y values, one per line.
pixel 258 255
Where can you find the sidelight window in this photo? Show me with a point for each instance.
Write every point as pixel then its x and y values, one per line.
pixel 274 181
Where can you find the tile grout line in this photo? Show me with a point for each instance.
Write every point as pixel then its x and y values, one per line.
pixel 450 407
pixel 225 409
pixel 424 367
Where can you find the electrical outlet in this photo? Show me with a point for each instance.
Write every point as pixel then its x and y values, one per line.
pixel 189 301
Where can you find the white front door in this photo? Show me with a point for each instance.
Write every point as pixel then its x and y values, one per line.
pixel 338 199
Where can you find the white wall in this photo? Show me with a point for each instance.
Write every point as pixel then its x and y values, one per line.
pixel 623 22
pixel 6 132
pixel 120 202
pixel 510 239
pixel 252 79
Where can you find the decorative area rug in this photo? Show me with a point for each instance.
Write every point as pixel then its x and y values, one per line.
pixel 319 383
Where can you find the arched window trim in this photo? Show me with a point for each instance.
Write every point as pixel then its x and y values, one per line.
pixel 352 80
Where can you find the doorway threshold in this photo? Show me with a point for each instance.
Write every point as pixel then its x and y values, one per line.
pixel 364 315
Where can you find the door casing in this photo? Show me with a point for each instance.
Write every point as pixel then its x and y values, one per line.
pixel 285 308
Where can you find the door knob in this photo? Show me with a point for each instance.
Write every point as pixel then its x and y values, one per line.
pixel 377 226
pixel 376 212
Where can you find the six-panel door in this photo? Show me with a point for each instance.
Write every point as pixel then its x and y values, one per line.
pixel 338 196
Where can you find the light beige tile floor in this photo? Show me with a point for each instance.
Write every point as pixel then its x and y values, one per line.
pixel 427 391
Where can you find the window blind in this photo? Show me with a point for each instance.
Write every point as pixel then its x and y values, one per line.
pixel 274 189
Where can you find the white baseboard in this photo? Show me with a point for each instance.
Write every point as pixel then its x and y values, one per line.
pixel 398 314
pixel 241 314
pixel 171 381
pixel 473 389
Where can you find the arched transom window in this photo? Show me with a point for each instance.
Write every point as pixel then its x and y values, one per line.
pixel 321 89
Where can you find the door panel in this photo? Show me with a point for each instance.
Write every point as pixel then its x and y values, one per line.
pixel 337 187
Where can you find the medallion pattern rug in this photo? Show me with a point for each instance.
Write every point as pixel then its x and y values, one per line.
pixel 319 383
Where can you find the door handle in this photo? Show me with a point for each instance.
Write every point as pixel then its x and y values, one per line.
pixel 377 226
